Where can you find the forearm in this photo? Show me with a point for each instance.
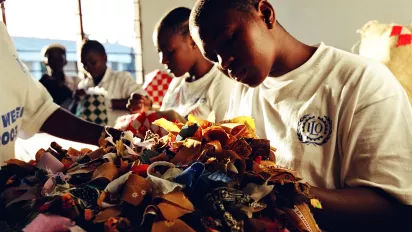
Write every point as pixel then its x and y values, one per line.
pixel 119 104
pixel 67 126
pixel 356 208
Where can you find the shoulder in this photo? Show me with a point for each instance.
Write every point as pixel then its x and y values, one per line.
pixel 122 74
pixel 371 80
pixel 350 61
pixel 45 78
pixel 5 40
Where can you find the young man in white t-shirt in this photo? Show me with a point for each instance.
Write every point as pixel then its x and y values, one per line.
pixel 26 107
pixel 118 85
pixel 200 87
pixel 341 121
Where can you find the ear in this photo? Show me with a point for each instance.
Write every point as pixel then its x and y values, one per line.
pixel 191 42
pixel 105 58
pixel 266 13
pixel 45 61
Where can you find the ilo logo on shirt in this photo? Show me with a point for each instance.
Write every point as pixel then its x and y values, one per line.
pixel 314 130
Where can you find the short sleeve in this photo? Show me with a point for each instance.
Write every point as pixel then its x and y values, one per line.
pixel 130 86
pixel 377 150
pixel 38 107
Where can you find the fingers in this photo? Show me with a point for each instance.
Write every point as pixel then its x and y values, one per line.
pixel 136 96
pixel 135 105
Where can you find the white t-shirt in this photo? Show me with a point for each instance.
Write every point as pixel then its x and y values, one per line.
pixel 119 85
pixel 339 120
pixel 25 103
pixel 200 97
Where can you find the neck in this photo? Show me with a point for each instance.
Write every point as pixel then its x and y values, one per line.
pixel 199 69
pixel 290 53
pixel 99 78
pixel 58 75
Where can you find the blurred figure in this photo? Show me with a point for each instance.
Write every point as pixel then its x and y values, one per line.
pixel 118 85
pixel 60 86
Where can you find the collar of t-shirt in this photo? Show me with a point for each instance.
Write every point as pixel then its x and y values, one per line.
pixel 105 78
pixel 306 69
pixel 195 86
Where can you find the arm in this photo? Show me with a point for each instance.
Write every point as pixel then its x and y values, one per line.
pixel 119 104
pixel 374 161
pixel 130 88
pixel 67 126
pixel 355 208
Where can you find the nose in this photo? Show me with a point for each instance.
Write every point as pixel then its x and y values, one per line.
pixel 86 67
pixel 163 59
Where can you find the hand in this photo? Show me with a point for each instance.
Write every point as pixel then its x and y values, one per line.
pixel 79 93
pixel 147 103
pixel 135 103
pixel 171 115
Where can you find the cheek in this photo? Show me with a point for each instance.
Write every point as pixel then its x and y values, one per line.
pixel 183 59
pixel 260 52
pixel 101 66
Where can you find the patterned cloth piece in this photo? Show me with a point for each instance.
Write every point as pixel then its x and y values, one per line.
pixel 157 85
pixel 86 193
pixel 93 109
pixel 138 124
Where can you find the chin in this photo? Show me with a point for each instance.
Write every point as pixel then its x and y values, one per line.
pixel 252 82
pixel 251 85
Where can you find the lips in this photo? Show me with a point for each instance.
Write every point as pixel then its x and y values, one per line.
pixel 237 74
pixel 169 68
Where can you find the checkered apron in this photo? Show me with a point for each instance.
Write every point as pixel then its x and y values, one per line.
pixel 92 108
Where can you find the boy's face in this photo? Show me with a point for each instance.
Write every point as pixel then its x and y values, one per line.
pixel 94 63
pixel 175 52
pixel 240 42
pixel 56 60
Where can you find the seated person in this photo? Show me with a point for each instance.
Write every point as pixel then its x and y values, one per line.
pixel 27 108
pixel 60 86
pixel 343 122
pixel 119 85
pixel 199 87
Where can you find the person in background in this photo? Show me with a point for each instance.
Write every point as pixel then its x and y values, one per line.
pixel 199 87
pixel 60 86
pixel 119 85
pixel 27 108
pixel 343 122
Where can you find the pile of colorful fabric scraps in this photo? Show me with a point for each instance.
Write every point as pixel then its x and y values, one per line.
pixel 202 176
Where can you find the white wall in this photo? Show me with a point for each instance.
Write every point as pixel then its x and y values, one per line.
pixel 311 21
pixel 152 11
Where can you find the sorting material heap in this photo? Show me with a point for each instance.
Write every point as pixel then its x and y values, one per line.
pixel 202 176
